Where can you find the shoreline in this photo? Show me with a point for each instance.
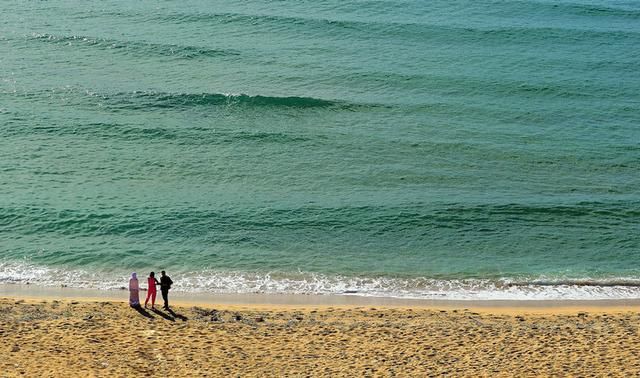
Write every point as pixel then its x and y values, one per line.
pixel 34 292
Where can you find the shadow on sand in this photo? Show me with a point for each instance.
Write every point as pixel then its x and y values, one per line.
pixel 142 311
pixel 166 316
pixel 169 315
pixel 177 316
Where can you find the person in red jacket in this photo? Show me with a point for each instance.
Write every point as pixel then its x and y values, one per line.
pixel 151 291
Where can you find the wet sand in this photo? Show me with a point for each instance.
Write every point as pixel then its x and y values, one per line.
pixel 102 337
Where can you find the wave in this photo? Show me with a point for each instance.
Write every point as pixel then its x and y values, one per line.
pixel 385 29
pixel 359 29
pixel 375 29
pixel 170 100
pixel 137 48
pixel 592 10
pixel 387 220
pixel 584 282
pixel 448 88
pixel 362 24
pixel 232 282
pixel 355 14
pixel 192 136
pixel 272 20
pixel 143 100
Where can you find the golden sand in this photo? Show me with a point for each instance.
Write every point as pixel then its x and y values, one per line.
pixel 42 338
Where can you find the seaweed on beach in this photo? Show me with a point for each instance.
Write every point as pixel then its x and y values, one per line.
pixel 203 314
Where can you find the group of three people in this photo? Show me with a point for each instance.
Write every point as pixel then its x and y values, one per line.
pixel 134 289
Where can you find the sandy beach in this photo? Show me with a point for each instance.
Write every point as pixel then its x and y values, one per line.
pixel 104 337
pixel 336 188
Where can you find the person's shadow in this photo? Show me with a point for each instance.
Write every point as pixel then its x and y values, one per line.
pixel 176 315
pixel 142 311
pixel 166 316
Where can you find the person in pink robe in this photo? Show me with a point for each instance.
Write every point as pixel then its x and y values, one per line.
pixel 134 290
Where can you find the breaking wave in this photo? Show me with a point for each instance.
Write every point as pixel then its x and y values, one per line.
pixel 220 282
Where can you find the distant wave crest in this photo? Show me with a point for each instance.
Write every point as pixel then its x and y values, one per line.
pixel 204 99
pixel 383 220
pixel 141 100
pixel 138 48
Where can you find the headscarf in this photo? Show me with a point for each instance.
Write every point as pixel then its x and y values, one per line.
pixel 133 282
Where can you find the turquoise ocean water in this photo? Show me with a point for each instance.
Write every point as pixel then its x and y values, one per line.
pixel 428 149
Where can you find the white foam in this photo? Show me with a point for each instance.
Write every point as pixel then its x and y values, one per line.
pixel 223 282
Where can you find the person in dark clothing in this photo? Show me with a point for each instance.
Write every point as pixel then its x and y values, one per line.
pixel 165 285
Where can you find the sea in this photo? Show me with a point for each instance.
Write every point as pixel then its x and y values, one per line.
pixel 439 149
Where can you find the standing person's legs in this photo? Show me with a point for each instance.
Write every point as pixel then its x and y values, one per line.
pixel 165 296
pixel 153 299
pixel 147 300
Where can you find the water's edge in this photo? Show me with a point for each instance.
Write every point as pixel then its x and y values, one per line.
pixel 18 291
